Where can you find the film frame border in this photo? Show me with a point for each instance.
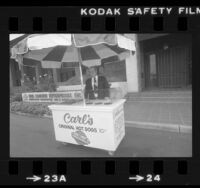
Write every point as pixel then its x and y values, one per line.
pixel 111 169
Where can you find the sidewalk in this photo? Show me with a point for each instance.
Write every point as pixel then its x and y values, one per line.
pixel 154 111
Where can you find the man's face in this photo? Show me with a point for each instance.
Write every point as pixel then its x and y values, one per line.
pixel 92 71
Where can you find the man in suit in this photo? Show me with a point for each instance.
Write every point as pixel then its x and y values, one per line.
pixel 97 86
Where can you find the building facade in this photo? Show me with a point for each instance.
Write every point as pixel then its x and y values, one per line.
pixel 161 61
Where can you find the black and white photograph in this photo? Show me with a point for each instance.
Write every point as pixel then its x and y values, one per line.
pixel 100 95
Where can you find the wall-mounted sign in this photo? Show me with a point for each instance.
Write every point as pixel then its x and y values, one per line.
pixel 51 96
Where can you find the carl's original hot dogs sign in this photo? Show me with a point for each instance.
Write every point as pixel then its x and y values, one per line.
pixel 91 127
pixel 80 127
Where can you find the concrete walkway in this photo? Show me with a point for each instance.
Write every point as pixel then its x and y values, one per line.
pixel 160 111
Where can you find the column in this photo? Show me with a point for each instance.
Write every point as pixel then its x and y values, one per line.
pixel 22 74
pixel 142 73
pixel 77 74
pixel 140 55
pixel 11 78
pixel 58 75
pixel 133 68
pixel 21 67
pixel 55 77
pixel 37 71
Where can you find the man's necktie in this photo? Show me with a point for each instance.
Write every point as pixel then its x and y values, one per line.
pixel 95 84
pixel 95 87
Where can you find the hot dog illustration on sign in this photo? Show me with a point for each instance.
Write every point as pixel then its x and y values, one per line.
pixel 80 137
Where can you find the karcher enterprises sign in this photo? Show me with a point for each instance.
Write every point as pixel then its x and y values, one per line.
pixel 51 96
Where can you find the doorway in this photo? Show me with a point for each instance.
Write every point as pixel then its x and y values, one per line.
pixel 168 68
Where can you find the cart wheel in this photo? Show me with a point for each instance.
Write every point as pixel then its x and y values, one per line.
pixel 111 153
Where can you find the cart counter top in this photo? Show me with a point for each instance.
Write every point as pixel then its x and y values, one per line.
pixel 98 105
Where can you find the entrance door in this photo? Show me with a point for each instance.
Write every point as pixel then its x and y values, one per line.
pixel 173 67
pixel 168 68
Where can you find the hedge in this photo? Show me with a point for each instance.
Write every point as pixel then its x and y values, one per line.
pixel 36 108
pixel 16 97
pixel 30 108
pixel 16 93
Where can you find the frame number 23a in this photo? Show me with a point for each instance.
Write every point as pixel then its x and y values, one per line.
pixel 54 178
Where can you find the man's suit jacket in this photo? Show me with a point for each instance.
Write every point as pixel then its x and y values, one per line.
pixel 103 88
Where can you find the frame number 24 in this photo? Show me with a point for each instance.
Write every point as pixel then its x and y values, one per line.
pixel 150 178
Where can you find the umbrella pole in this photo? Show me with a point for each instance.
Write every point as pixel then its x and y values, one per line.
pixel 81 74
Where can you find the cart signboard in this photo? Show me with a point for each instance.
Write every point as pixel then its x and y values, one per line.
pixel 90 126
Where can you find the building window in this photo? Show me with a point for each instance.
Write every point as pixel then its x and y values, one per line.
pixel 115 71
pixel 67 73
pixel 29 72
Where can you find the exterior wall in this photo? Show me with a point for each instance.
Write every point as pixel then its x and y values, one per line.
pixel 169 40
pixel 147 36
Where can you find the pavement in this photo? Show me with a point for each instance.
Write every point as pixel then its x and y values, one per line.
pixel 34 137
pixel 168 110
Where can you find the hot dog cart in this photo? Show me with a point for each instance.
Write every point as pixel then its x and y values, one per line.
pixel 97 124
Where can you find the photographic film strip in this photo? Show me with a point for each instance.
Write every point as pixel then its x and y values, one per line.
pixel 30 153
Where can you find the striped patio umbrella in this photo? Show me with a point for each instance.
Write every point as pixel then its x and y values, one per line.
pixel 67 56
pixel 73 50
pixel 57 50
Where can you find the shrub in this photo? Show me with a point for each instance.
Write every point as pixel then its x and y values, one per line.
pixel 24 107
pixel 16 97
pixel 29 109
pixel 36 111
pixel 32 108
pixel 20 89
pixel 16 93
pixel 14 106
